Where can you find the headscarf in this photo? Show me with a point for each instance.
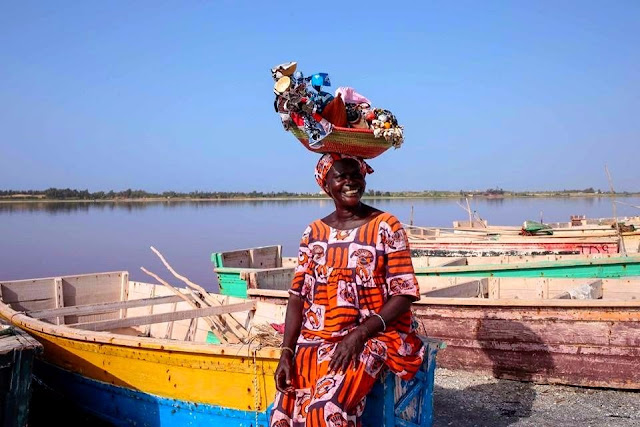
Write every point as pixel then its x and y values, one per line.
pixel 328 159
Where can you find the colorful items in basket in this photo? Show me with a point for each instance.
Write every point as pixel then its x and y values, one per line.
pixel 384 124
pixel 317 112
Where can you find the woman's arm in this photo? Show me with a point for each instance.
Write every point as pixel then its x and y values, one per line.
pixel 349 349
pixel 292 326
pixel 292 322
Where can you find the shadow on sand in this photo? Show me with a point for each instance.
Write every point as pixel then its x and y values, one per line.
pixel 508 350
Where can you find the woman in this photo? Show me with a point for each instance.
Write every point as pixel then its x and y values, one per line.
pixel 349 307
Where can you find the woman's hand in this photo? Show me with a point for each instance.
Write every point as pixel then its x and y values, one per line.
pixel 348 350
pixel 284 372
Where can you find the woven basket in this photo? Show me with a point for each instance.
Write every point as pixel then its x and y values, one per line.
pixel 356 142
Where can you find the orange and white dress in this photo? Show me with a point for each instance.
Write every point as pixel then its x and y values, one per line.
pixel 343 277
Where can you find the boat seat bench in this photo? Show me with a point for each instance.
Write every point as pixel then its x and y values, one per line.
pixel 105 325
pixel 105 307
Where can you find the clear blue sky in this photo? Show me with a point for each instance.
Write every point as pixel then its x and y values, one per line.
pixel 177 95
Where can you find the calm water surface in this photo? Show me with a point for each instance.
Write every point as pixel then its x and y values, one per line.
pixel 52 239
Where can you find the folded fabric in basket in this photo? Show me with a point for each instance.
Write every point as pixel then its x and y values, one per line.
pixel 335 112
pixel 350 96
pixel 316 130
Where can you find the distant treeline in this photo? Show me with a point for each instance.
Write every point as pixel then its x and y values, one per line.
pixel 72 194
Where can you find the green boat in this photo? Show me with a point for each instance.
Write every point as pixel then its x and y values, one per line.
pixel 244 269
pixel 612 267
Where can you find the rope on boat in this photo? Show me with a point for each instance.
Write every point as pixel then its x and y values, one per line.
pixel 265 336
pixel 256 391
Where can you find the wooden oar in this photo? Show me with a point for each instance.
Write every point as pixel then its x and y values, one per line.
pixel 214 328
pixel 234 326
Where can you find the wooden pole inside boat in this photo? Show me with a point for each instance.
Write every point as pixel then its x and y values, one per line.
pixel 209 321
pixel 228 320
pixel 411 216
pixel 623 249
pixel 469 212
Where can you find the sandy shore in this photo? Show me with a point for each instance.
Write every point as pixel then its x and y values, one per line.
pixel 466 400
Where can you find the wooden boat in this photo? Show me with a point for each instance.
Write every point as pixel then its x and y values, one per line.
pixel 236 269
pixel 140 354
pixel 244 269
pixel 578 228
pixel 531 329
pixel 601 267
pixel 17 352
pixel 513 231
pixel 577 222
pixel 459 245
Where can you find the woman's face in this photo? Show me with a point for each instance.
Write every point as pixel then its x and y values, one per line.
pixel 345 183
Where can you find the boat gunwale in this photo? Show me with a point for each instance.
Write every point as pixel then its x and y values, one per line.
pixel 39 327
pixel 512 239
pixel 530 265
pixel 513 302
pixel 506 302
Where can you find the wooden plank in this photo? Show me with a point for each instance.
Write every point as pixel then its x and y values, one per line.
pixel 59 299
pixel 191 331
pixel 92 289
pixel 23 295
pixel 265 257
pixel 595 305
pixel 454 261
pixel 545 365
pixel 621 289
pixel 221 322
pixel 431 283
pixel 494 288
pixel 279 257
pixel 269 313
pixel 272 278
pixel 152 294
pixel 105 325
pixel 542 285
pixel 169 331
pixel 213 322
pixel 124 292
pixel 104 307
pixel 471 289
pixel 625 334
pixel 17 352
pixel 289 261
pixel 268 293
pixel 591 290
pixel 238 259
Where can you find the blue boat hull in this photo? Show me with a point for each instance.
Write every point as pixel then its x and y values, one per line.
pixel 124 407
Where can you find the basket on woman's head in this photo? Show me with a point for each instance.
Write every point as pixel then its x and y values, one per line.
pixel 343 122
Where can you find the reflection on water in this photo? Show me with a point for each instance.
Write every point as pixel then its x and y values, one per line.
pixel 44 239
pixel 81 206
pixel 494 201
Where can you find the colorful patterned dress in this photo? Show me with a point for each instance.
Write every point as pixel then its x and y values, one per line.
pixel 343 276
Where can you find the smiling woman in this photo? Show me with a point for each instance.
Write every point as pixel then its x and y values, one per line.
pixel 348 314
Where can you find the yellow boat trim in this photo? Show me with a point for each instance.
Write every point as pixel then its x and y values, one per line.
pixel 225 380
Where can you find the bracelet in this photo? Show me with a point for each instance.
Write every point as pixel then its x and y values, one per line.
pixel 293 353
pixel 384 324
